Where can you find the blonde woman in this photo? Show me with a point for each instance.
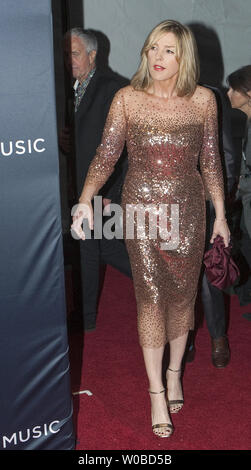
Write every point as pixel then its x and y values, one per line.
pixel 169 124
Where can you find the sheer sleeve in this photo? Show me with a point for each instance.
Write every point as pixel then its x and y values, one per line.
pixel 112 143
pixel 210 161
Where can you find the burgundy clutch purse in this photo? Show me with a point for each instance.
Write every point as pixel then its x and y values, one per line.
pixel 220 268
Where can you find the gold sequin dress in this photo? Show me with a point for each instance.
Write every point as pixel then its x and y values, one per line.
pixel 166 139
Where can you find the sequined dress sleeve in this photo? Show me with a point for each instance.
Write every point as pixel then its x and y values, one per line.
pixel 112 143
pixel 210 162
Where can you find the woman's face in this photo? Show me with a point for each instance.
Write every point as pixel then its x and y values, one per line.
pixel 161 58
pixel 239 100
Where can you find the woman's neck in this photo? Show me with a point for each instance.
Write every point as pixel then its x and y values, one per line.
pixel 163 88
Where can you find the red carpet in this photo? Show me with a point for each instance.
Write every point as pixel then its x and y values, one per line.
pixel 108 362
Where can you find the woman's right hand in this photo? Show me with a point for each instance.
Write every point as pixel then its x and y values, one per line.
pixel 79 212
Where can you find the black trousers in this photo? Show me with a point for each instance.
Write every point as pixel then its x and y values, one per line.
pixel 212 297
pixel 214 308
pixel 93 254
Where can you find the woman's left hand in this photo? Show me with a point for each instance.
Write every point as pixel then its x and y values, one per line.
pixel 221 228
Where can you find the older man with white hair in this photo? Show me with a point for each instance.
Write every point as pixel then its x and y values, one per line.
pixel 94 90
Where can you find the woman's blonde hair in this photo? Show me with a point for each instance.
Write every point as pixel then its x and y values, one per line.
pixel 186 56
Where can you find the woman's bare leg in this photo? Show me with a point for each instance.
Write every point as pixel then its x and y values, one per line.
pixel 177 349
pixel 153 358
pixel 153 362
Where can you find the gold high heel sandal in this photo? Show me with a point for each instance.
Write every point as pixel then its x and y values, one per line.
pixel 162 429
pixel 174 405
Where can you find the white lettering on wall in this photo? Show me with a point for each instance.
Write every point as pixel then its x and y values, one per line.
pixel 22 147
pixel 35 433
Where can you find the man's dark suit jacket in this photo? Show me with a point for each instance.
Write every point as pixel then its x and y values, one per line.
pixel 88 127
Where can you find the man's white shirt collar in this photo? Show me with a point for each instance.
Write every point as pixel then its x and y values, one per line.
pixel 75 86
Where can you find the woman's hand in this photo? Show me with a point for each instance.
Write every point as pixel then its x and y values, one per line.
pixel 79 212
pixel 221 228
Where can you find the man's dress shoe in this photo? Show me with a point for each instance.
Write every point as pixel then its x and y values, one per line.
pixel 220 352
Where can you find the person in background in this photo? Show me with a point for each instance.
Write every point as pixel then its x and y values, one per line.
pixel 94 90
pixel 168 123
pixel 239 94
pixel 213 298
